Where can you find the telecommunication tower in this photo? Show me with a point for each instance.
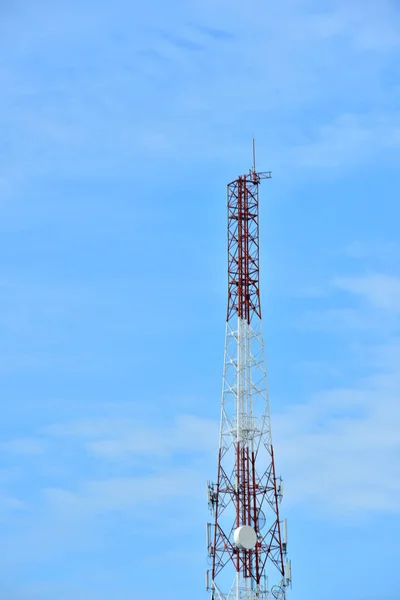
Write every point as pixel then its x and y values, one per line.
pixel 247 541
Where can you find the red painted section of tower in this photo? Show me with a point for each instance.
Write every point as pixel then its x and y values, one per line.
pixel 243 247
pixel 255 492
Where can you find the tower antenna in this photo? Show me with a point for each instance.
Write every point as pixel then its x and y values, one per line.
pixel 246 540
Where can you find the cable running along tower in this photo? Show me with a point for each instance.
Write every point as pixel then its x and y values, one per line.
pixel 247 541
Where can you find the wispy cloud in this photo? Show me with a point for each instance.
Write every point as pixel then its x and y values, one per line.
pixel 9 503
pixel 196 92
pixel 27 446
pixel 126 493
pixel 332 444
pixel 350 140
pixel 381 250
pixel 119 439
pixel 379 290
pixel 330 447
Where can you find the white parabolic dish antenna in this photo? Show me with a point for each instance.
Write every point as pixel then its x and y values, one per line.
pixel 245 537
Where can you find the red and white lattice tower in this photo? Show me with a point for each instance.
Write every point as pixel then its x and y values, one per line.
pixel 247 541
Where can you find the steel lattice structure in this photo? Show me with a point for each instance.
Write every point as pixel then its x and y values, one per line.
pixel 247 541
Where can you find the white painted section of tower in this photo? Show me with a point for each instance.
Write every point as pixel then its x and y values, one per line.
pixel 247 424
pixel 241 362
pixel 245 417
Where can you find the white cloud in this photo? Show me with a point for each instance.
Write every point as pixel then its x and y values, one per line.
pixel 122 438
pixel 10 503
pixel 24 446
pixel 383 250
pixel 337 320
pixel 381 291
pixel 287 58
pixel 126 493
pixel 349 140
pixel 341 451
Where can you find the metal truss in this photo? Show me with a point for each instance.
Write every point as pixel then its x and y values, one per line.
pixel 245 499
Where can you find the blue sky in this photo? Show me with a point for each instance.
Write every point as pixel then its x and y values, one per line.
pixel 121 126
